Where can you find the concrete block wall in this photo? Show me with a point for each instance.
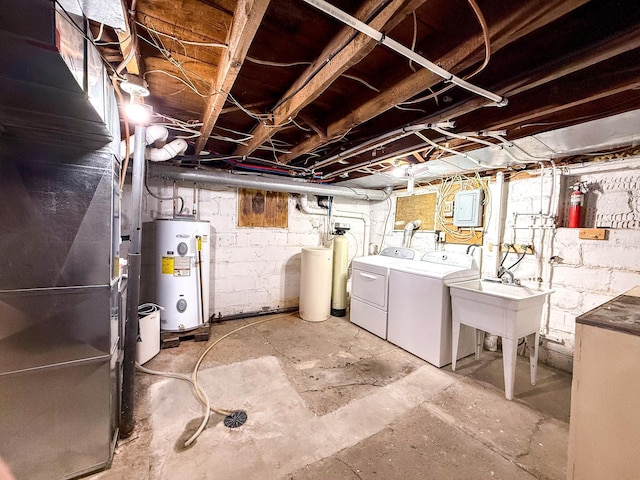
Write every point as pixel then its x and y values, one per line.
pixel 252 269
pixel 583 273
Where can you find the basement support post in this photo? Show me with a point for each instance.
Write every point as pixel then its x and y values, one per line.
pixel 133 286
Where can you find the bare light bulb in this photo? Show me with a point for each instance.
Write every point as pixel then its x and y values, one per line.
pixel 137 112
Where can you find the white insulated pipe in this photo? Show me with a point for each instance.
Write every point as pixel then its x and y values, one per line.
pixel 263 182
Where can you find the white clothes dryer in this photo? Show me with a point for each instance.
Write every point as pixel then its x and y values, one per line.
pixel 370 284
pixel 419 311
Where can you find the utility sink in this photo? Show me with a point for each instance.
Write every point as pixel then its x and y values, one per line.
pixel 508 310
pixel 507 295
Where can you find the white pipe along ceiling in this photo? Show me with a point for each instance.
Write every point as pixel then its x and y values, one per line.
pixel 264 182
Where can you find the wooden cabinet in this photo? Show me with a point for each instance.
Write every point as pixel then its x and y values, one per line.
pixel 604 432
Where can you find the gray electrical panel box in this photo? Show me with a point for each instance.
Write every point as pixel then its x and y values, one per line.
pixel 467 210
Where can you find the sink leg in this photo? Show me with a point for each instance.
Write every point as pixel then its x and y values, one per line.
pixel 509 354
pixel 479 342
pixel 533 355
pixel 455 338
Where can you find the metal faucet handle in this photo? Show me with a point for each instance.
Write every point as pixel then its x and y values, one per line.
pixel 506 276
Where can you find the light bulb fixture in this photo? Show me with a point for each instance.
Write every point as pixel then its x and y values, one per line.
pixel 135 86
pixel 399 171
pixel 411 182
pixel 138 112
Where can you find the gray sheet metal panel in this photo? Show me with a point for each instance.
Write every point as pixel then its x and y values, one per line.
pixel 56 207
pixel 53 326
pixel 55 421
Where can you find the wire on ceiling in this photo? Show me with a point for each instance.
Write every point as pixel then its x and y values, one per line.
pixel 487 55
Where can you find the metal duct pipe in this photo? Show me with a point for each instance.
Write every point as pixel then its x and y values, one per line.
pixel 133 286
pixel 408 232
pixel 264 182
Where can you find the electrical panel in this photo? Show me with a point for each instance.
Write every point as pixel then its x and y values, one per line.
pixel 467 209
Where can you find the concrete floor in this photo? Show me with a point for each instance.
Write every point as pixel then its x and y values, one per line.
pixel 329 400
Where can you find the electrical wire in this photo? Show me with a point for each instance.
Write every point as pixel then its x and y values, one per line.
pixel 274 64
pixel 415 37
pixel 127 135
pixel 327 60
pixel 487 56
pixel 181 41
pixel 364 82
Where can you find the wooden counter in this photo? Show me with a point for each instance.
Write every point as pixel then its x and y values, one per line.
pixel 604 432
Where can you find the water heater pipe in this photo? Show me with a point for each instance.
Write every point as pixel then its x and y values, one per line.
pixel 133 285
pixel 303 204
pixel 264 182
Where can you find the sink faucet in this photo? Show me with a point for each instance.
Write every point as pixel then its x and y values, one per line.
pixel 506 276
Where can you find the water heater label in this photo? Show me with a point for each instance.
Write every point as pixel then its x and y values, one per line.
pixel 167 265
pixel 182 266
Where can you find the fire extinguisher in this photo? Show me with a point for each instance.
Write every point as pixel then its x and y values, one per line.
pixel 576 202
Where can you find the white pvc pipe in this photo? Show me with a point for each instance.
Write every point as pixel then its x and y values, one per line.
pixel 303 204
pixel 167 152
pixel 367 226
pixel 153 134
pixel 499 229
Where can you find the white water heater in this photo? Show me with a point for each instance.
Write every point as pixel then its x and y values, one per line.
pixel 182 273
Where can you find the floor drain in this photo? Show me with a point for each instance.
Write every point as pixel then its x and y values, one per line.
pixel 235 419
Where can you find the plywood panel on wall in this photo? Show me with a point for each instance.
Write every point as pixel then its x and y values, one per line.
pixel 425 207
pixel 416 207
pixel 259 208
pixel 463 235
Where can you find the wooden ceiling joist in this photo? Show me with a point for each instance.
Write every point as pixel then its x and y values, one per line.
pixel 529 17
pixel 246 20
pixel 312 83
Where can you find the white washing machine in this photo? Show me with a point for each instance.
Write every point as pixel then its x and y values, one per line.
pixel 419 312
pixel 370 284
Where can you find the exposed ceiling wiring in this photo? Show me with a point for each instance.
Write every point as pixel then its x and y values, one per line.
pixel 274 64
pixel 415 37
pixel 183 42
pixel 487 56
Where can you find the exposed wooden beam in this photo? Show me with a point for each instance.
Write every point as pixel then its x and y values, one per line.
pixel 246 20
pixel 127 43
pixel 312 83
pixel 527 18
pixel 571 95
pixel 314 125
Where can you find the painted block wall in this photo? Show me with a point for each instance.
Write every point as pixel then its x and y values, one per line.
pixel 252 269
pixel 258 269
pixel 583 273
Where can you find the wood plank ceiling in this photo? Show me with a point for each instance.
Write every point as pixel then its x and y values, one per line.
pixel 281 87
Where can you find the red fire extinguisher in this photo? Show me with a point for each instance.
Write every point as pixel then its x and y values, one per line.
pixel 575 203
